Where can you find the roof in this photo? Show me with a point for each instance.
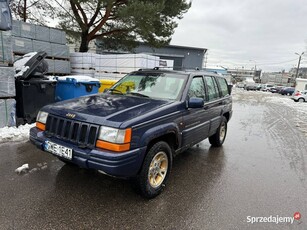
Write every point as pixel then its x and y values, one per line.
pixel 188 72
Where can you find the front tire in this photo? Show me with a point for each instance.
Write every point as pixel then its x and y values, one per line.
pixel 155 170
pixel 217 139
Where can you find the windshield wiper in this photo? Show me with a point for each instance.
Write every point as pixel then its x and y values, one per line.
pixel 116 90
pixel 139 94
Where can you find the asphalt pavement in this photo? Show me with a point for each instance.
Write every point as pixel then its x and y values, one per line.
pixel 258 174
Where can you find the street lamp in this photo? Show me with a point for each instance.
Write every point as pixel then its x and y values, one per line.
pixel 299 62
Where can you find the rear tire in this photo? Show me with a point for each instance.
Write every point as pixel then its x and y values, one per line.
pixel 217 139
pixel 155 170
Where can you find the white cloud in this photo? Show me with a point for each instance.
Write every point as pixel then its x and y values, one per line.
pixel 268 32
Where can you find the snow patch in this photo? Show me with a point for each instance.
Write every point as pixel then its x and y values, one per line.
pixel 21 133
pixel 22 169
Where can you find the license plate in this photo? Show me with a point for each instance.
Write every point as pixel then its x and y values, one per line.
pixel 58 150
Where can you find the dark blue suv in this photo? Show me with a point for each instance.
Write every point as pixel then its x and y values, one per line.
pixel 136 127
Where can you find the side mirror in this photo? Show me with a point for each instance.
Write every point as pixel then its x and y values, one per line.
pixel 196 102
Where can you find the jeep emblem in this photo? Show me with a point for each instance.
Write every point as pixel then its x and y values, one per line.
pixel 70 115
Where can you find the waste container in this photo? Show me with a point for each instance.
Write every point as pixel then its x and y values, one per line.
pixel 106 84
pixel 33 89
pixel 73 86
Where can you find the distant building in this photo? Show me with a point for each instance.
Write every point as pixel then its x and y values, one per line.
pixel 277 78
pixel 302 72
pixel 181 57
pixel 240 75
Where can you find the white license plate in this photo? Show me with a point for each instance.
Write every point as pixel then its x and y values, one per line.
pixel 58 150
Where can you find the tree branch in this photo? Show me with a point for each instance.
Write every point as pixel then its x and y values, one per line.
pixel 109 33
pixel 76 14
pixel 95 14
pixel 99 26
pixel 34 3
pixel 82 12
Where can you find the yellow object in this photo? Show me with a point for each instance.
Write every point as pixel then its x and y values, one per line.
pixel 106 84
pixel 126 86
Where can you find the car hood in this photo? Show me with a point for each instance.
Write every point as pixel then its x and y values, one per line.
pixel 105 108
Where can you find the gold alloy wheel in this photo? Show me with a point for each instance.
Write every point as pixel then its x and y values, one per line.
pixel 222 131
pixel 158 169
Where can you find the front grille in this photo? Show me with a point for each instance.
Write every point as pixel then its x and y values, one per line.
pixel 81 133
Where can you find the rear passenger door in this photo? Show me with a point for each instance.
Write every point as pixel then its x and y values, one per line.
pixel 214 103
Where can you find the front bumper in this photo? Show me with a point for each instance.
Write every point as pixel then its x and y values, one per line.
pixel 126 164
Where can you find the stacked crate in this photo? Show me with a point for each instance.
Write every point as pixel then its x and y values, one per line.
pixel 6 49
pixel 83 63
pixel 110 66
pixel 7 94
pixel 33 38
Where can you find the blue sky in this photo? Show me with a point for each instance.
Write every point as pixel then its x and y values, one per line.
pixel 239 33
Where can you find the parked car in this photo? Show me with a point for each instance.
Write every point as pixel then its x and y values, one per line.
pixel 267 87
pixel 137 126
pixel 260 86
pixel 276 89
pixel 287 91
pixel 251 87
pixel 240 85
pixel 300 96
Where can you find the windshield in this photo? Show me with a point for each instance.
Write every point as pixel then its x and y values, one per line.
pixel 152 85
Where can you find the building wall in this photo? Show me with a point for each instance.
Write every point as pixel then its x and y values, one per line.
pixel 183 57
pixel 244 74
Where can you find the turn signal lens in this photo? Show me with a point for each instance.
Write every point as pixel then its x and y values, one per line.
pixel 113 147
pixel 40 126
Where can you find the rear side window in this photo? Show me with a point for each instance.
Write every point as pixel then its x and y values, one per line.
pixel 213 92
pixel 197 88
pixel 223 85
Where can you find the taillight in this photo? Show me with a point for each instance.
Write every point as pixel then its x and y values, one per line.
pixel 297 94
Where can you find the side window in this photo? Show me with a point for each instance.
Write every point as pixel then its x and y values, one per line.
pixel 213 92
pixel 223 85
pixel 197 88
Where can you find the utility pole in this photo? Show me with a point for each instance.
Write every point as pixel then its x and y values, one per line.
pixel 298 64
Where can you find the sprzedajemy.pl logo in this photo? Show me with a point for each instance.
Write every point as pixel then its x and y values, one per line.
pixel 273 219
